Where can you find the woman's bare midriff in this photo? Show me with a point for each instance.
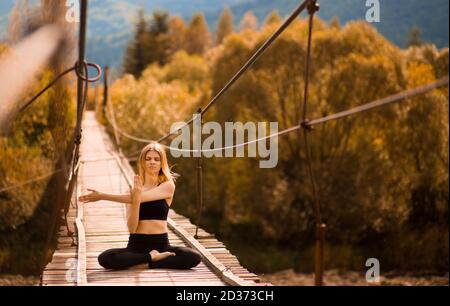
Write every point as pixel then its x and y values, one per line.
pixel 152 227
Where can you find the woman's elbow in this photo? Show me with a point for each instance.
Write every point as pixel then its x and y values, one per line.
pixel 132 227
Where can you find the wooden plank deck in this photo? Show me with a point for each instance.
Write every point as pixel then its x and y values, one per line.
pixel 102 225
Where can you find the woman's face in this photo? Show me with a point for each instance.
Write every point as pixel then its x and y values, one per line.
pixel 152 162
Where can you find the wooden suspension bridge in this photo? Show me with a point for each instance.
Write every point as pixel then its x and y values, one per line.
pixel 95 163
pixel 102 225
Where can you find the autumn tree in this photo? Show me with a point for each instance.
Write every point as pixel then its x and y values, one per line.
pixel 41 138
pixel 414 37
pixel 273 18
pixel 176 35
pixel 335 22
pixel 198 38
pixel 382 176
pixel 249 22
pixel 224 26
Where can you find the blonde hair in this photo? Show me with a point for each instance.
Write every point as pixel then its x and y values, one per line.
pixel 165 174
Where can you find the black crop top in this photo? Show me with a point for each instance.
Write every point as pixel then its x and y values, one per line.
pixel 154 210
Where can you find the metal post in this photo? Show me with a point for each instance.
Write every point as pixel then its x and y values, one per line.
pixel 112 116
pixel 313 7
pixel 319 253
pixel 80 66
pixel 199 179
pixel 105 90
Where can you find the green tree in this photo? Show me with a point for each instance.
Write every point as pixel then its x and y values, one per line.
pixel 159 23
pixel 157 42
pixel 135 58
pixel 415 37
pixel 151 43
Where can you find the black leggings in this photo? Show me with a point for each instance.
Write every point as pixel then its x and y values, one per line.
pixel 137 253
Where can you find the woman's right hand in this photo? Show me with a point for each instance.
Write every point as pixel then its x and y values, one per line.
pixel 94 196
pixel 136 190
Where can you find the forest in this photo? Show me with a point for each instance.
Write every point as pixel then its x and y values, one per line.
pixel 382 176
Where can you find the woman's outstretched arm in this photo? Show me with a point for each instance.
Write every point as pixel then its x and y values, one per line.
pixel 121 198
pixel 164 191
pixel 95 196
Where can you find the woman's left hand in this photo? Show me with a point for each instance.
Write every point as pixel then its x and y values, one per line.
pixel 136 191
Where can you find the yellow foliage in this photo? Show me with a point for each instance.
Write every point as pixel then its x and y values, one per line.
pixel 18 165
pixel 149 106
pixel 419 74
pixel 369 167
pixel 31 150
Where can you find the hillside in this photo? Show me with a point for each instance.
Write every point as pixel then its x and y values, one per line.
pixel 397 17
pixel 111 21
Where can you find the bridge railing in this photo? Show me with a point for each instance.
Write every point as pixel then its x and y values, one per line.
pixel 17 70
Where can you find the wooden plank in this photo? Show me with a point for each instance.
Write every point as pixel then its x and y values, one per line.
pixel 210 260
pixel 81 267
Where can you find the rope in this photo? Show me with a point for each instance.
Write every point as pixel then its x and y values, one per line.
pixel 74 68
pixel 115 126
pixel 389 100
pixel 37 179
pixel 23 108
pixel 248 64
pixel 312 9
pixel 305 124
pixel 86 65
pixel 113 123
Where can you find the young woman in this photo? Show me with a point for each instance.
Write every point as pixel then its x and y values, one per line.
pixel 149 201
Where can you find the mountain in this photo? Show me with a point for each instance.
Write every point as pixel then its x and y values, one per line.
pixel 111 21
pixel 397 17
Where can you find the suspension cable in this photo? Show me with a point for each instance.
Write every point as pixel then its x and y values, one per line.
pixel 37 179
pixel 248 64
pixel 113 123
pixel 309 124
pixel 388 100
pixel 57 78
pixel 23 108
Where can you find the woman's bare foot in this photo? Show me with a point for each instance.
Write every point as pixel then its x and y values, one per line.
pixel 157 256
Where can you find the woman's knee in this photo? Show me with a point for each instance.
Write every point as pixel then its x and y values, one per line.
pixel 106 259
pixel 193 259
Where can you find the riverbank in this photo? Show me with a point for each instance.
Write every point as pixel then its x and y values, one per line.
pixel 349 278
pixel 290 278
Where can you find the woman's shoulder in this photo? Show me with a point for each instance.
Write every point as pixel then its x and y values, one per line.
pixel 169 183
